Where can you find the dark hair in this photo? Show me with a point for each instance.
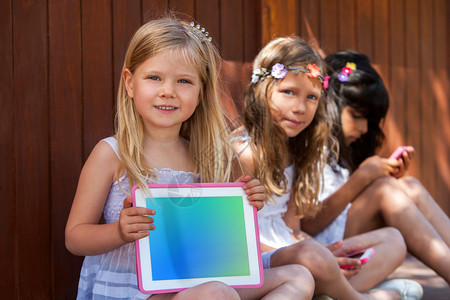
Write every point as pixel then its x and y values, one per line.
pixel 366 93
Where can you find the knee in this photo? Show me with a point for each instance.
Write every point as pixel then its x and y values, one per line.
pixel 300 276
pixel 413 187
pixel 316 258
pixel 215 290
pixel 394 239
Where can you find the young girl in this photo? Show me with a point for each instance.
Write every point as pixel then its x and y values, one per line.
pixel 376 188
pixel 285 131
pixel 170 129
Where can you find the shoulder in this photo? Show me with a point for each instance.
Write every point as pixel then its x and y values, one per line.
pixel 105 158
pixel 244 149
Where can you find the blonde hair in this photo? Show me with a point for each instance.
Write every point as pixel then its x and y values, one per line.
pixel 206 129
pixel 306 150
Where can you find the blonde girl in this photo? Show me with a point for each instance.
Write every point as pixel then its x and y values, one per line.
pixel 169 129
pixel 283 143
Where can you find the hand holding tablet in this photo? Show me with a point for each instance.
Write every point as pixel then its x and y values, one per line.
pixel 203 232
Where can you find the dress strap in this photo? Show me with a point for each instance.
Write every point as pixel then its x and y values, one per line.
pixel 245 137
pixel 113 143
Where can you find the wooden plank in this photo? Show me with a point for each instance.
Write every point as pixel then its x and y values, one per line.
pixel 279 19
pixel 427 100
pixel 98 94
pixel 66 135
pixel 329 26
pixel 412 109
pixel 232 42
pixel 441 90
pixel 364 27
pixel 252 29
pixel 185 7
pixel 208 14
pixel 8 217
pixel 126 20
pixel 396 122
pixel 346 24
pixel 309 20
pixel 154 9
pixel 32 149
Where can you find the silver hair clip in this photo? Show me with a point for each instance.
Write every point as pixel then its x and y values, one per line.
pixel 200 33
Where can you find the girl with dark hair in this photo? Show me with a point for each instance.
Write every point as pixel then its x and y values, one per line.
pixel 363 191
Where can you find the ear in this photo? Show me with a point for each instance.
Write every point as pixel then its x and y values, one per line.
pixel 128 81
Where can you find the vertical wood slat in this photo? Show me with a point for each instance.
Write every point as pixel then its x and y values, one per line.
pixel 346 24
pixel 308 26
pixel 98 94
pixel 66 146
pixel 427 101
pixel 441 90
pixel 364 27
pixel 126 20
pixel 280 18
pixel 32 156
pixel 8 216
pixel 413 78
pixel 329 26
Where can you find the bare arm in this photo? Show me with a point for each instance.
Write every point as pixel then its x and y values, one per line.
pixel 84 236
pixel 371 169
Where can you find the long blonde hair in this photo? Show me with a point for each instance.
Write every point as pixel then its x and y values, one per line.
pixel 306 150
pixel 206 129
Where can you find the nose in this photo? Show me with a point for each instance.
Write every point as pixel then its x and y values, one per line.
pixel 167 90
pixel 363 126
pixel 300 106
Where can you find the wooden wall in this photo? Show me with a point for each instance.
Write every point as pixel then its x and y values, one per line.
pixel 61 65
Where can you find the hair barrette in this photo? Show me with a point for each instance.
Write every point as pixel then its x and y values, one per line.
pixel 200 32
pixel 279 71
pixel 346 71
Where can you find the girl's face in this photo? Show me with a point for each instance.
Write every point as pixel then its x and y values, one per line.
pixel 354 125
pixel 294 102
pixel 165 90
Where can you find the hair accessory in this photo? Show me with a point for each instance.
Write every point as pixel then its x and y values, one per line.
pixel 346 71
pixel 279 71
pixel 200 33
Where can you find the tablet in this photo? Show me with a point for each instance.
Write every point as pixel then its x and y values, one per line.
pixel 203 232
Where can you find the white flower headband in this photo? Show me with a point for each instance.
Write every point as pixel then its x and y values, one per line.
pixel 279 71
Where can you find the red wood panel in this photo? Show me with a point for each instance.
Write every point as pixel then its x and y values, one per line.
pixel 427 100
pixel 396 122
pixel 252 29
pixel 364 27
pixel 126 20
pixel 98 94
pixel 329 27
pixel 412 107
pixel 346 24
pixel 309 19
pixel 8 217
pixel 154 9
pixel 66 135
pixel 32 149
pixel 280 18
pixel 441 90
pixel 186 7
pixel 207 13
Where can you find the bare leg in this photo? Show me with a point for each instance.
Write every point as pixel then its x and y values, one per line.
pixel 390 251
pixel 325 270
pixel 213 290
pixel 286 282
pixel 385 202
pixel 426 204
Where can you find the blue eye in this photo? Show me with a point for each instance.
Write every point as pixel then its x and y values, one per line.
pixel 153 77
pixel 312 97
pixel 288 92
pixel 184 81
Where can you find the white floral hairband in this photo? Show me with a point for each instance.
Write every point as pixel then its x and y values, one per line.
pixel 279 71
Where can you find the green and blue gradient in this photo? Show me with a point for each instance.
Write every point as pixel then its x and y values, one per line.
pixel 206 239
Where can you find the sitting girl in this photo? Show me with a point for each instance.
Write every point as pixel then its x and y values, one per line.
pixel 282 143
pixel 364 191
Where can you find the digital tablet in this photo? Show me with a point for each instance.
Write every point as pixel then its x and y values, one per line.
pixel 203 232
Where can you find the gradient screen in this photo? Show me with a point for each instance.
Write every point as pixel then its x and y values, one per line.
pixel 198 237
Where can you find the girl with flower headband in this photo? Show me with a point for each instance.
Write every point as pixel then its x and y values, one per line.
pixel 282 142
pixel 364 191
pixel 169 129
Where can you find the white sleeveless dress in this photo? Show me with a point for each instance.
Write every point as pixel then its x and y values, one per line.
pixel 112 275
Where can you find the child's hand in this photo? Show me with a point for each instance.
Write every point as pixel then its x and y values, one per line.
pixel 256 193
pixel 134 222
pixel 401 165
pixel 340 253
pixel 374 167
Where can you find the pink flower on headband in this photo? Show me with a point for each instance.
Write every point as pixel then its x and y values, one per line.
pixel 325 82
pixel 279 71
pixel 346 71
pixel 314 70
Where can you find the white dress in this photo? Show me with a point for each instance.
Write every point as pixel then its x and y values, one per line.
pixel 112 275
pixel 333 177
